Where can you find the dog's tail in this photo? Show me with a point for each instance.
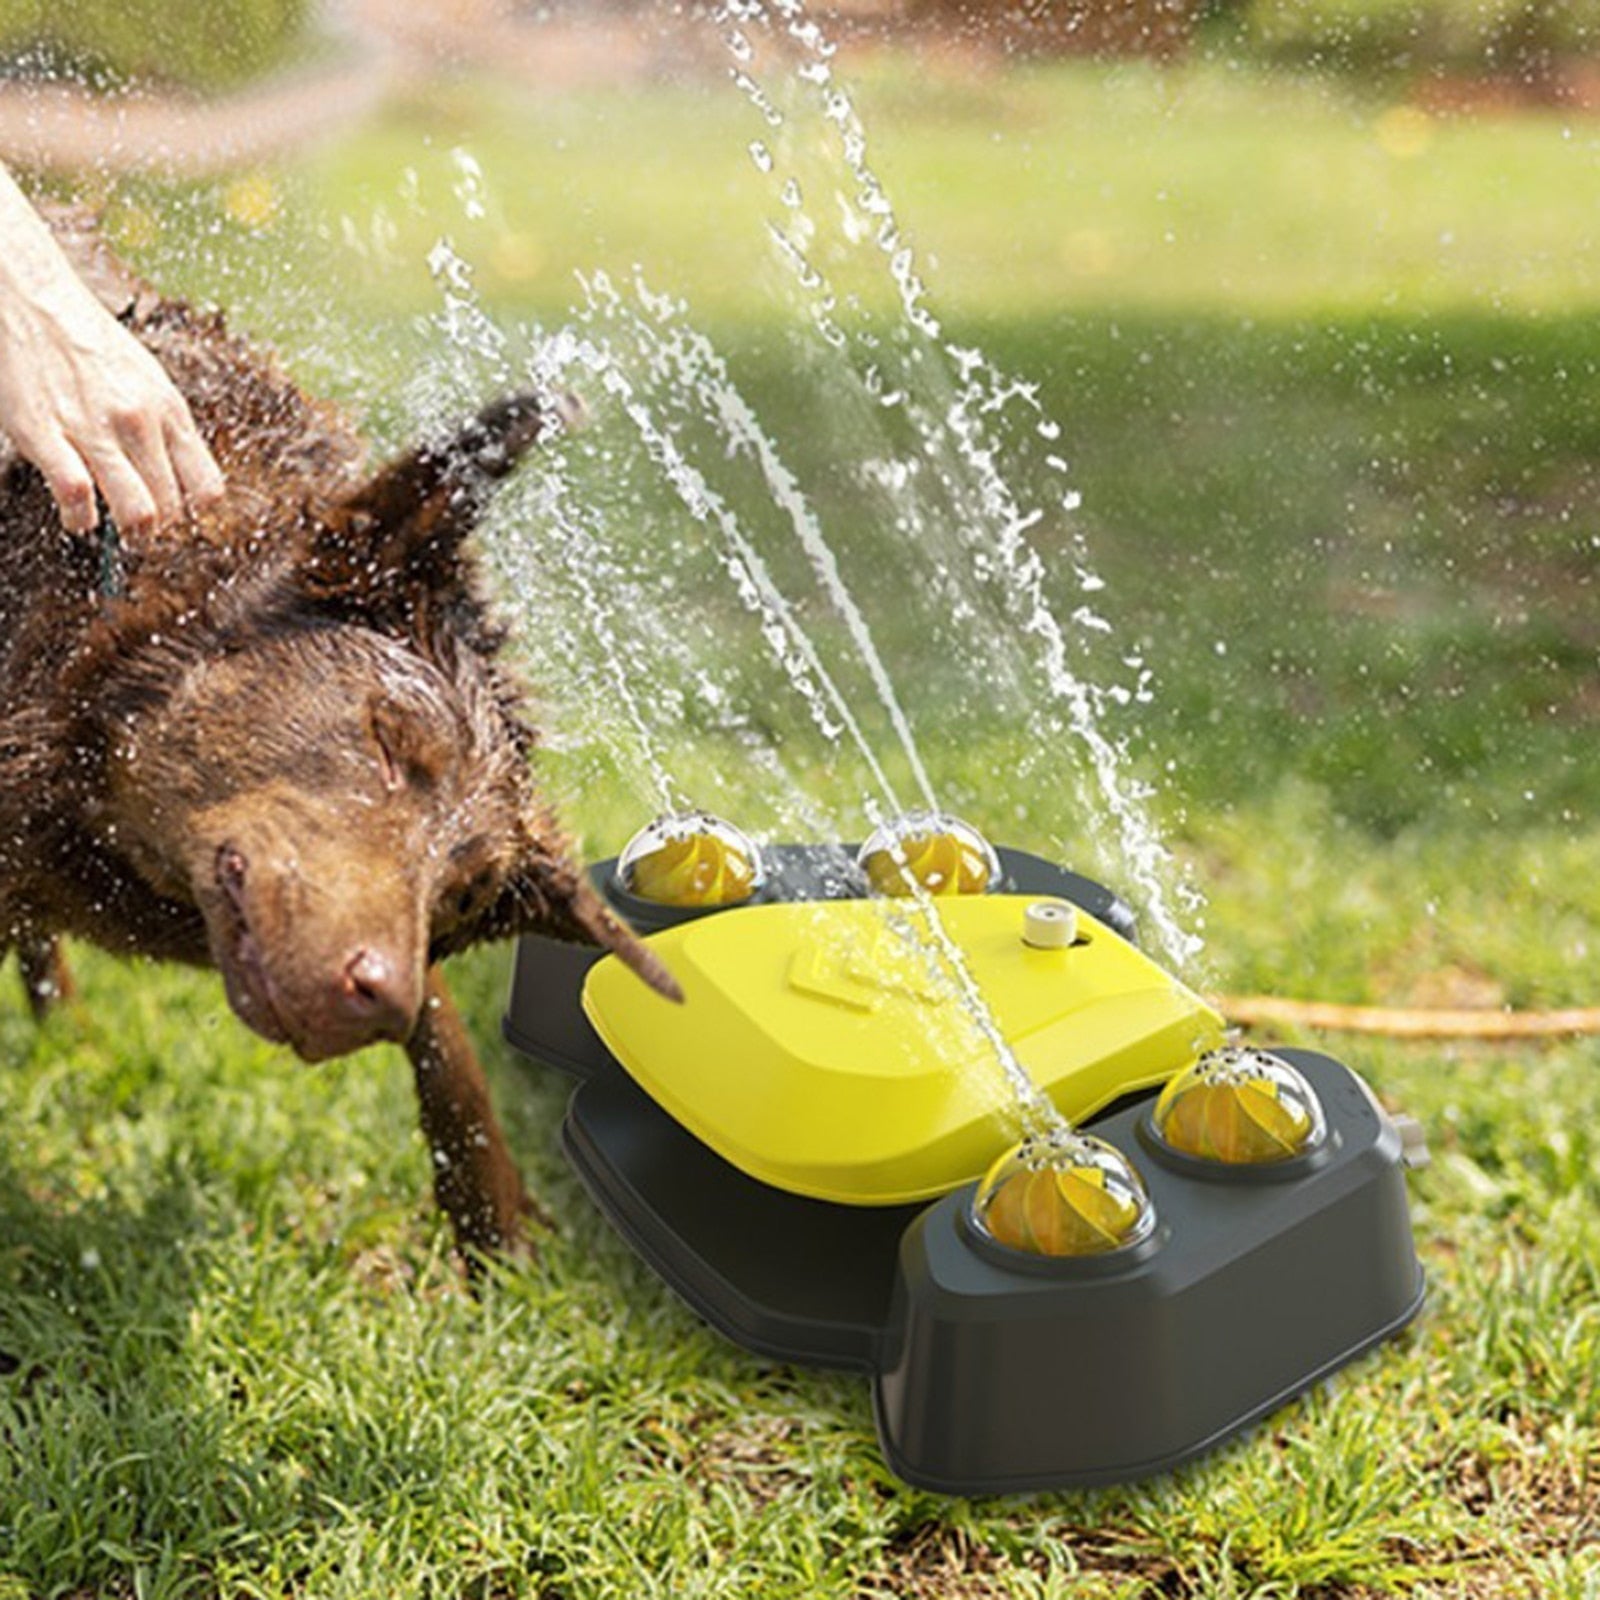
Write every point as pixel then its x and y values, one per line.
pixel 554 897
pixel 610 932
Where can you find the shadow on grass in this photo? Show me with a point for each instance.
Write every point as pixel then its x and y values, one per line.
pixel 180 1337
pixel 103 1406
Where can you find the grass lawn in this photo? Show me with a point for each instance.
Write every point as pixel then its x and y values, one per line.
pixel 1339 472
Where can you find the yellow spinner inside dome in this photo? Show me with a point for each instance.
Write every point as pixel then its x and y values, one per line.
pixel 932 850
pixel 690 859
pixel 1240 1106
pixel 1064 1195
pixel 834 1049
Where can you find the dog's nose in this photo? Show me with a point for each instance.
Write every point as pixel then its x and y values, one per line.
pixel 378 995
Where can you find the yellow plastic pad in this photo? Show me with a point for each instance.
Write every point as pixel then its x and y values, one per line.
pixel 828 1048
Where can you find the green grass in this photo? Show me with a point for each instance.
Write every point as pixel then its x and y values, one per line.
pixel 244 1365
pixel 1374 503
pixel 1358 458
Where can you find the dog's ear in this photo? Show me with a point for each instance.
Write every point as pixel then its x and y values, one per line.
pixel 551 894
pixel 575 911
pixel 400 532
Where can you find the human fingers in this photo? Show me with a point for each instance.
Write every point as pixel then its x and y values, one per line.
pixel 128 499
pixel 199 476
pixel 69 480
pixel 143 437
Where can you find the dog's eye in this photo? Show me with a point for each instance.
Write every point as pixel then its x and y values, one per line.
pixel 414 750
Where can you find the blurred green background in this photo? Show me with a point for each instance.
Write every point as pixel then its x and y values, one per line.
pixel 1324 361
pixel 109 44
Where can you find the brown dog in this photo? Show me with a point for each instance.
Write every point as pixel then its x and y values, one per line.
pixel 279 741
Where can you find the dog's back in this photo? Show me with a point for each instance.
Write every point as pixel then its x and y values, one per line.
pixel 276 445
pixel 72 605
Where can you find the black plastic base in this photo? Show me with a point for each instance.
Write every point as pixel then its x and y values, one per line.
pixel 996 1373
pixel 1257 1284
pixel 778 1273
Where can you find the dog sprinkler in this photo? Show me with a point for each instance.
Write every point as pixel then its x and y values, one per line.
pixel 818 1150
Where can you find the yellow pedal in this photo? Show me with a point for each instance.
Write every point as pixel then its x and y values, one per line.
pixel 831 1048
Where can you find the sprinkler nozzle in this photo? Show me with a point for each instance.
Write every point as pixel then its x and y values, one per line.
pixel 932 850
pixel 1063 1195
pixel 1240 1106
pixel 691 858
pixel 1050 925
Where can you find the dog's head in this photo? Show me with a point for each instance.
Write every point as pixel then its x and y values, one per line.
pixel 340 779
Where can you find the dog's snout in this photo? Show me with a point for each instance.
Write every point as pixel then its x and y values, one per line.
pixel 377 994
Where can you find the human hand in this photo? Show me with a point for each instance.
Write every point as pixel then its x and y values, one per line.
pixel 92 408
pixel 81 398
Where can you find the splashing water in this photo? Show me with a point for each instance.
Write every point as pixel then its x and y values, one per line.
pixel 675 628
pixel 946 391
pixel 701 377
pixel 700 380
pixel 780 627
